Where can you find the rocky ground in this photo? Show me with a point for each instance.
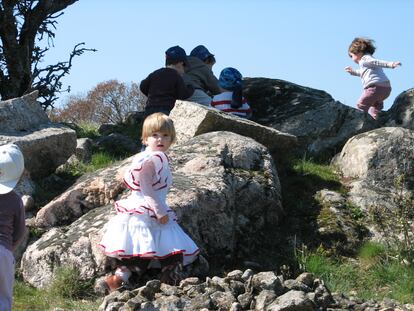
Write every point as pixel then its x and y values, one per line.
pixel 241 290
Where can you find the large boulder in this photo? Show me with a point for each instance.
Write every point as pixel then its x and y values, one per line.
pixel 231 181
pixel 44 149
pixel 225 191
pixel 75 245
pixel 21 114
pixel 91 191
pixel 191 119
pixel 45 145
pixel 401 112
pixel 373 160
pixel 321 124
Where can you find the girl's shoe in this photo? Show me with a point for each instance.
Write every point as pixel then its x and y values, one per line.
pixel 114 282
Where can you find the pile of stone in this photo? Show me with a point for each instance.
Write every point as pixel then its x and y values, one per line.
pixel 240 291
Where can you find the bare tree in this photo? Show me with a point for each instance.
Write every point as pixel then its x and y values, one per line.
pixel 23 25
pixel 107 102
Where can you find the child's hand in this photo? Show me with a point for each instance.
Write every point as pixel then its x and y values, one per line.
pixel 163 220
pixel 395 64
pixel 348 69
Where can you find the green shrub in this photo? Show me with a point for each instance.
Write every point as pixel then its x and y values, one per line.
pixel 395 223
pixel 356 212
pixel 307 167
pixel 67 283
pixel 87 129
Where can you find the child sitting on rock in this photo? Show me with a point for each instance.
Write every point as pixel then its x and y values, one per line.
pixel 145 228
pixel 164 86
pixel 232 100
pixel 200 75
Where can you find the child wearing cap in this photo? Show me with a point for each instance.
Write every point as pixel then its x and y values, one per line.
pixel 12 219
pixel 164 86
pixel 199 74
pixel 232 100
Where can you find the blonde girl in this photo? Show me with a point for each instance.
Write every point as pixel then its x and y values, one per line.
pixel 145 230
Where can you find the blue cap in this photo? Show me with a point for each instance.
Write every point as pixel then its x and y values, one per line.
pixel 201 52
pixel 230 79
pixel 176 53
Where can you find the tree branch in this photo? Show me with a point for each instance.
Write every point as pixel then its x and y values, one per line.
pixel 23 23
pixel 49 84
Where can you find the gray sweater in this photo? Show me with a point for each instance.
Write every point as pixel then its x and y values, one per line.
pixel 200 76
pixel 370 71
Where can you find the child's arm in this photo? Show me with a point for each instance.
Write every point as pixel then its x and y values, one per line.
pixel 19 227
pixel 150 195
pixel 212 83
pixel 183 91
pixel 352 71
pixel 373 62
pixel 144 86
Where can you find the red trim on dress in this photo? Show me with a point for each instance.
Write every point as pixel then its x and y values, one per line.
pixel 148 253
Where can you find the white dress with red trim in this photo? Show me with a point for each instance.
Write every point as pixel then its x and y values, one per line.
pixel 135 230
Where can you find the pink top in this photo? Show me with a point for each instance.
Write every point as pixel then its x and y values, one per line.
pixel 149 178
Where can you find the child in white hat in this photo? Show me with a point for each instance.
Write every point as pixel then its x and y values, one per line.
pixel 12 219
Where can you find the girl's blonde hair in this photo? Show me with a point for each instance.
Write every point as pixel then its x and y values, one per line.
pixel 362 45
pixel 158 122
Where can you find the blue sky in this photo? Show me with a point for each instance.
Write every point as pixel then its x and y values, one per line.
pixel 304 42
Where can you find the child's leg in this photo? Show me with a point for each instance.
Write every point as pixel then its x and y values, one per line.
pixel 170 268
pixel 373 97
pixel 6 278
pixel 375 109
pixel 367 99
pixel 381 94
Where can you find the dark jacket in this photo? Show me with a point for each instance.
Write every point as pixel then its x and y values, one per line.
pixel 163 87
pixel 200 76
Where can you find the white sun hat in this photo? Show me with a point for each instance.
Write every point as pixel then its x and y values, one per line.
pixel 11 167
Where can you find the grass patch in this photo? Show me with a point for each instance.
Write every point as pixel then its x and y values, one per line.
pixel 76 169
pixel 100 160
pixel 323 172
pixel 301 180
pixel 371 251
pixel 66 291
pixel 370 277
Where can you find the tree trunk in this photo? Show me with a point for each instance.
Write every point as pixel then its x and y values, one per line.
pixel 18 40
